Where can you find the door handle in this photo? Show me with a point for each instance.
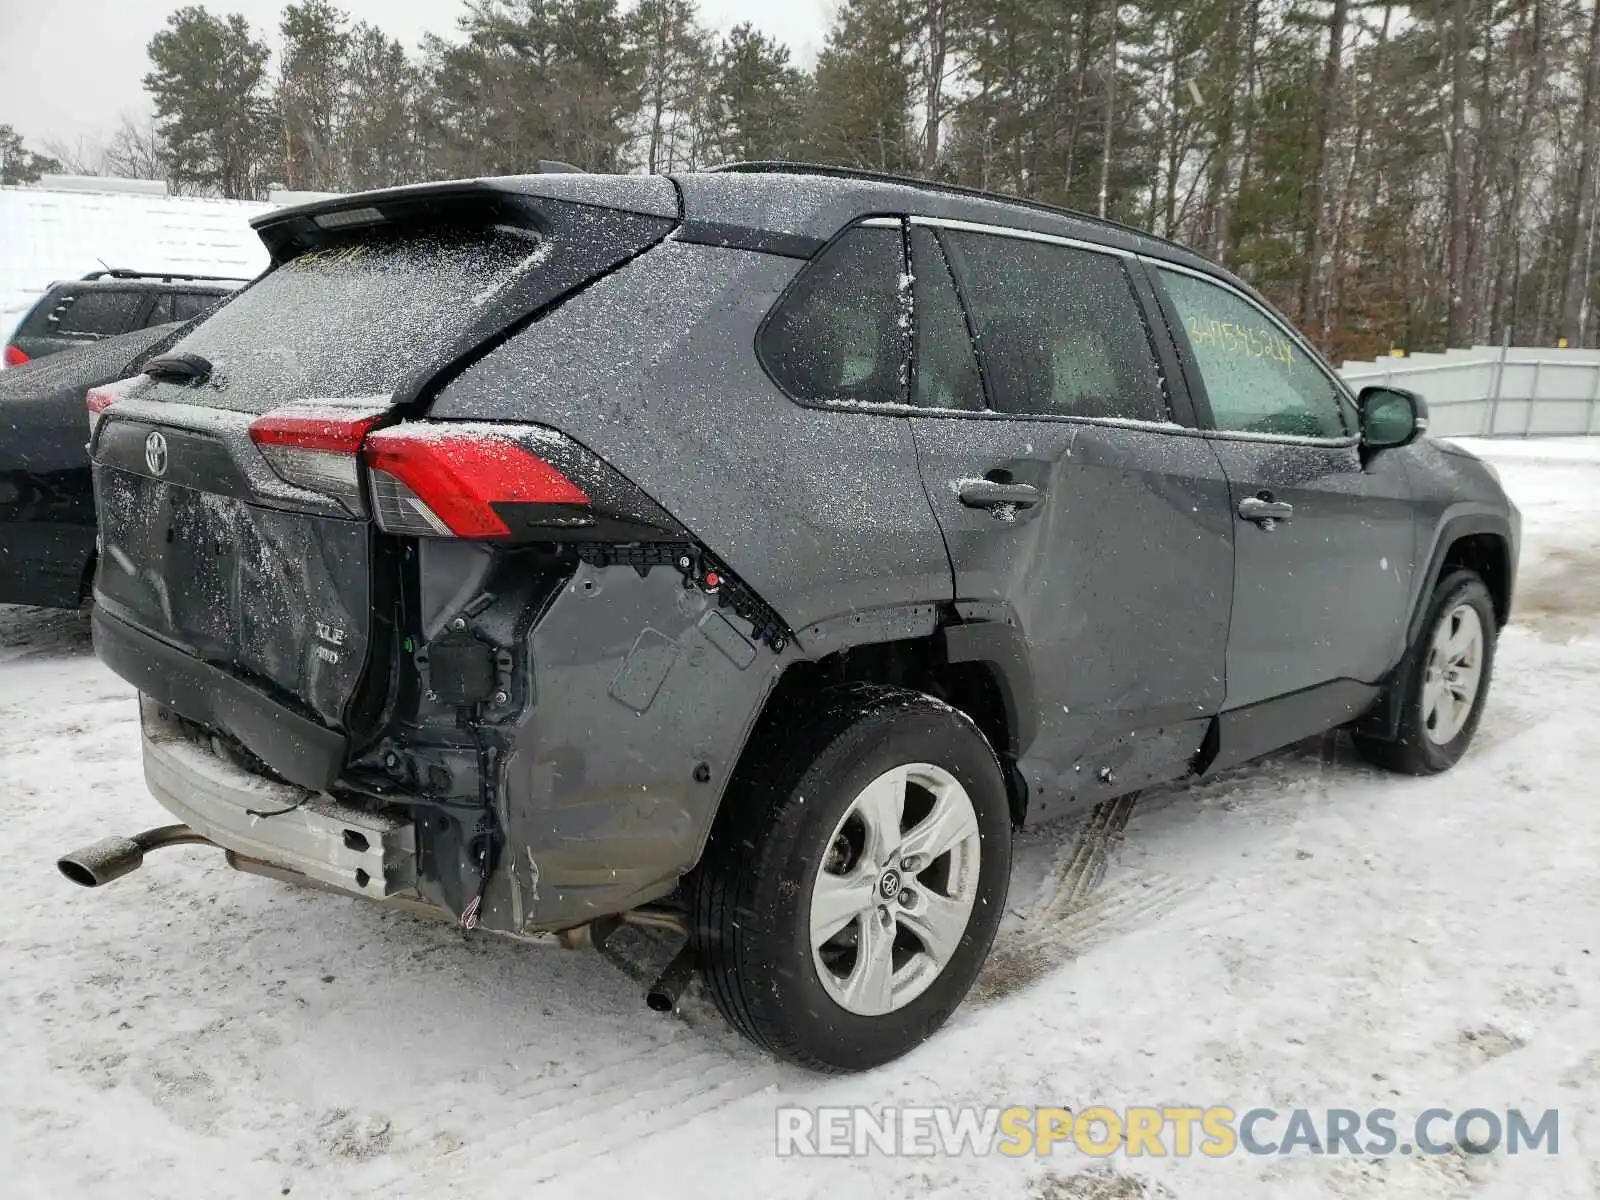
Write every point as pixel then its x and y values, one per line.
pixel 1264 512
pixel 987 493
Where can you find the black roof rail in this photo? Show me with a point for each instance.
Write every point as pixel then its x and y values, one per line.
pixel 778 166
pixel 164 276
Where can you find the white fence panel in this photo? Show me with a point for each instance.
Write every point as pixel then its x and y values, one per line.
pixel 1496 391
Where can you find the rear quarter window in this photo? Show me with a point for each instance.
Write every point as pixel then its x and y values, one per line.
pixel 841 334
pixel 188 305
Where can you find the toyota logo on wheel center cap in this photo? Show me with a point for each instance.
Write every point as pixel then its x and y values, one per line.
pixel 155 453
pixel 889 884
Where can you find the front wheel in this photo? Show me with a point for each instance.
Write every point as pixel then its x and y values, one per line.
pixel 851 891
pixel 1444 681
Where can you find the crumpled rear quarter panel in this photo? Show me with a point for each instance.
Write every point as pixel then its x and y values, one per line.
pixel 611 786
pixel 654 369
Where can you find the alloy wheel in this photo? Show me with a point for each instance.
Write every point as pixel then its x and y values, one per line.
pixel 1453 674
pixel 894 894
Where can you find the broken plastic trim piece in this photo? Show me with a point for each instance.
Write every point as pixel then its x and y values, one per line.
pixel 700 569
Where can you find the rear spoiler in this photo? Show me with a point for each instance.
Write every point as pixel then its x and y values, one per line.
pixel 509 200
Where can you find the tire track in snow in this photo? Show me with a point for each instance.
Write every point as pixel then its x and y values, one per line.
pixel 1073 910
pixel 562 1122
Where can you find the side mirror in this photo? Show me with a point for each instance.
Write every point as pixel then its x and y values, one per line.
pixel 1391 417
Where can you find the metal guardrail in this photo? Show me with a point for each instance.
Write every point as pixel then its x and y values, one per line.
pixel 1502 391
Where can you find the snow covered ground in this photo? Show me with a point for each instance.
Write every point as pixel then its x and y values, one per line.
pixel 1303 932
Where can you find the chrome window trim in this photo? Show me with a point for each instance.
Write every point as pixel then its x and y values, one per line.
pixel 1025 235
pixel 988 414
pixel 1340 387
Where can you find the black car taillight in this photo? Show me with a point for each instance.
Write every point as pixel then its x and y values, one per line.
pixel 99 399
pixel 15 356
pixel 461 479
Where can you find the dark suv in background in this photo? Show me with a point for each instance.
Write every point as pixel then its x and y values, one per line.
pixel 107 303
pixel 747 553
pixel 47 518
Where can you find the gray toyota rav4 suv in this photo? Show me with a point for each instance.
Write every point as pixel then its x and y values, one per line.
pixel 746 554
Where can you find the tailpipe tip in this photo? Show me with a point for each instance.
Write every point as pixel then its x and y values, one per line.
pixel 99 863
pixel 664 992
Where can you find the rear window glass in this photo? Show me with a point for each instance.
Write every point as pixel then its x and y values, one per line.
pixel 842 333
pixel 102 313
pixel 355 319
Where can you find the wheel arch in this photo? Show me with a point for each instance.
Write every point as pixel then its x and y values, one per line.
pixel 1480 542
pixel 977 666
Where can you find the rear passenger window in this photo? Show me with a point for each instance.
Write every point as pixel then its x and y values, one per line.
pixel 1059 329
pixel 100 313
pixel 946 374
pixel 842 333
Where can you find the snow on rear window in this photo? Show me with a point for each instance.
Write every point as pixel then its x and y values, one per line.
pixel 354 319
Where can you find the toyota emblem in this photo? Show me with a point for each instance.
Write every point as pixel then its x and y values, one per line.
pixel 155 454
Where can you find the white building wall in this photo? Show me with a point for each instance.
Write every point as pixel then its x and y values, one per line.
pixel 48 235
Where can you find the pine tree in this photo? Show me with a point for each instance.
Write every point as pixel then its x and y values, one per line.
pixel 860 112
pixel 534 79
pixel 19 164
pixel 311 77
pixel 208 84
pixel 756 99
pixel 674 58
pixel 380 127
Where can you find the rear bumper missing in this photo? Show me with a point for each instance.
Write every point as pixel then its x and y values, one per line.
pixel 300 832
pixel 296 747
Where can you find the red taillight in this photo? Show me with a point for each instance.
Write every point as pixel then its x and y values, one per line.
pixel 99 399
pixel 442 480
pixel 15 357
pixel 330 429
pixel 316 446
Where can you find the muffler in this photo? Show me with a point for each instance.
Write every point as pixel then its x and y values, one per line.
pixel 113 857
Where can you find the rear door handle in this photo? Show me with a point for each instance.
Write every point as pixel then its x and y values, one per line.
pixel 1265 513
pixel 986 493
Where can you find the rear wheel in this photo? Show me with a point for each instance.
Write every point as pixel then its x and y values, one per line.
pixel 852 888
pixel 1444 681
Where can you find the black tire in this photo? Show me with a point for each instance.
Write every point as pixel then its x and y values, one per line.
pixel 1413 751
pixel 752 890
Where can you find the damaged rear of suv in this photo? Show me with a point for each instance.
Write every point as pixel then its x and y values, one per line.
pixel 744 554
pixel 401 631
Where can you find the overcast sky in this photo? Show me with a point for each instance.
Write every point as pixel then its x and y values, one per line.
pixel 70 69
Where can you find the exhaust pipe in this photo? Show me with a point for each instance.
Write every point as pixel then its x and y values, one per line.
pixel 664 992
pixel 113 857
